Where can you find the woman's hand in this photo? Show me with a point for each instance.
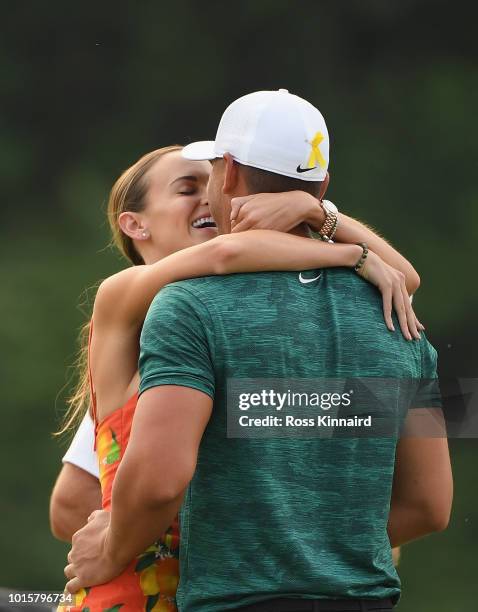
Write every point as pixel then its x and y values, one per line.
pixel 275 211
pixel 391 283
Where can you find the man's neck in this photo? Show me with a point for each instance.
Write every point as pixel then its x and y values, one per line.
pixel 301 230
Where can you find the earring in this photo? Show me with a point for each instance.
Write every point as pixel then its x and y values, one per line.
pixel 145 234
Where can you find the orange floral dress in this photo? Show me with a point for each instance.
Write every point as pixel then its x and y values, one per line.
pixel 150 581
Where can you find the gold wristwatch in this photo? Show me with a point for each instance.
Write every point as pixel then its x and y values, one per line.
pixel 329 227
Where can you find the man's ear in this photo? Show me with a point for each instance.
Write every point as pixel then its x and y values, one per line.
pixel 131 224
pixel 323 187
pixel 231 175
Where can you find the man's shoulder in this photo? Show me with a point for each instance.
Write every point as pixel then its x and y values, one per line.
pixel 348 279
pixel 195 293
pixel 208 288
pixel 198 285
pixel 189 290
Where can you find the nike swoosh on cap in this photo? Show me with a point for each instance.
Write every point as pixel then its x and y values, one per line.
pixel 306 281
pixel 301 170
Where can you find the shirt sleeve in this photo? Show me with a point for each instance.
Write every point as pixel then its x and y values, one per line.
pixel 428 390
pixel 81 451
pixel 175 342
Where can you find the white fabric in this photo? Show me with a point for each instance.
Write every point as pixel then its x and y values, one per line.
pixel 81 452
pixel 271 130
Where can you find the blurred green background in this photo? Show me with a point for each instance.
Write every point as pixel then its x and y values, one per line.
pixel 86 88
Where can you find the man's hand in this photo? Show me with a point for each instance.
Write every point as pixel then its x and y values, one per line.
pixel 391 284
pixel 274 211
pixel 89 562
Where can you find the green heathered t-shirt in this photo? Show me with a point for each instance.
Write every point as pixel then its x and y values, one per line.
pixel 281 517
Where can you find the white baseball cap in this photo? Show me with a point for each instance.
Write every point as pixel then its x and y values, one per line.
pixel 271 130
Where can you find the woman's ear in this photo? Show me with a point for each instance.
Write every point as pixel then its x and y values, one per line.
pixel 323 187
pixel 131 224
pixel 231 175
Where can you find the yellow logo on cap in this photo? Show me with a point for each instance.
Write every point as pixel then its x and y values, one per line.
pixel 316 157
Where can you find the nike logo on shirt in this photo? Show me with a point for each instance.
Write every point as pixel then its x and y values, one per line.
pixel 306 281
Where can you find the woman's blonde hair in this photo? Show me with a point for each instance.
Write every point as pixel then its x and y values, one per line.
pixel 127 194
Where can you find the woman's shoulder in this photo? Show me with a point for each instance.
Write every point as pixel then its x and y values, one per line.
pixel 112 291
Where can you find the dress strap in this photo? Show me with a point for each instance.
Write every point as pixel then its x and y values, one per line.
pixel 90 382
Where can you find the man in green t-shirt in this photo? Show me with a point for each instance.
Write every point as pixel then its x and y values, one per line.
pixel 272 519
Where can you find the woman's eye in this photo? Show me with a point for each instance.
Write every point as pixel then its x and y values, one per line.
pixel 190 192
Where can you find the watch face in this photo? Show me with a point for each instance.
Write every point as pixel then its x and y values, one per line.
pixel 330 206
